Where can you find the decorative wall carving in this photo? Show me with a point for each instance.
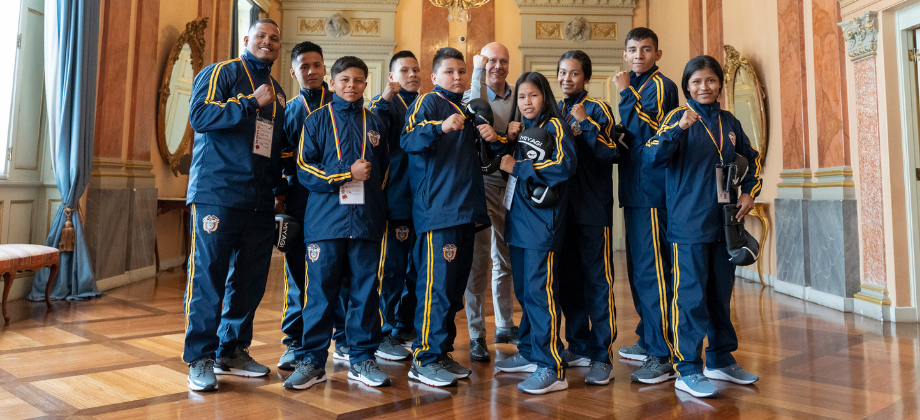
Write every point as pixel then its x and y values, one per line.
pixel 306 26
pixel 578 30
pixel 861 34
pixel 604 31
pixel 337 26
pixel 366 27
pixel 549 30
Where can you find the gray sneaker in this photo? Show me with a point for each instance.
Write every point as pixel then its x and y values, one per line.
pixel 432 374
pixel 653 371
pixel 390 349
pixel 201 375
pixel 542 381
pixel 733 373
pixel 633 352
pixel 516 363
pixel 696 385
pixel 241 364
pixel 451 365
pixel 575 360
pixel 369 373
pixel 287 361
pixel 340 353
pixel 305 375
pixel 600 374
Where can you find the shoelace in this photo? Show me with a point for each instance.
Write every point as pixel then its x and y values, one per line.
pixel 391 340
pixel 243 354
pixel 201 366
pixel 303 367
pixel 601 365
pixel 367 366
pixel 651 363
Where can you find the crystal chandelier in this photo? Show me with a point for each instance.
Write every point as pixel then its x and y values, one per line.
pixel 458 9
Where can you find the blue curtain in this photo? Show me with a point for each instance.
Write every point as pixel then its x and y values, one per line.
pixel 71 48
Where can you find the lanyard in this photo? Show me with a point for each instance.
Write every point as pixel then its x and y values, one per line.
pixel 335 132
pixel 721 136
pixel 322 101
pixel 274 99
pixel 647 80
pixel 403 101
pixel 459 111
pixel 569 117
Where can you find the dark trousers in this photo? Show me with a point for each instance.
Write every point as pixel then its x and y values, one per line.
pixel 586 270
pixel 443 258
pixel 649 256
pixel 330 264
pixel 398 277
pixel 703 282
pixel 227 271
pixel 536 291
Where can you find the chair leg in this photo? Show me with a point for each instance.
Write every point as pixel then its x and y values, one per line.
pixel 51 278
pixel 7 285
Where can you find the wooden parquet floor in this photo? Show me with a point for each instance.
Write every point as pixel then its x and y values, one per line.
pixel 117 357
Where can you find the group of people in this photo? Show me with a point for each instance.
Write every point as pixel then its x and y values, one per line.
pixel 412 204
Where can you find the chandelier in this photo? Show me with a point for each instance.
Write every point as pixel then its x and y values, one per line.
pixel 459 9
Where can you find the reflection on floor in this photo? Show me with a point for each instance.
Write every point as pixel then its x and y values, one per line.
pixel 118 358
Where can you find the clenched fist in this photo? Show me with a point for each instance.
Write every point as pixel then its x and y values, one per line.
pixel 454 122
pixel 621 80
pixel 391 89
pixel 264 95
pixel 360 170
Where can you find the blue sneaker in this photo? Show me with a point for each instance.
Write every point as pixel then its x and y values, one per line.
pixel 516 363
pixel 543 381
pixel 696 385
pixel 369 373
pixel 201 375
pixel 432 374
pixel 733 373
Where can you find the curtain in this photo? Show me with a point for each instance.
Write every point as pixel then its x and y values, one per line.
pixel 71 48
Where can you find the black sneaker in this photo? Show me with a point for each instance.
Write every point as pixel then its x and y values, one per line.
pixel 451 365
pixel 240 364
pixel 507 335
pixel 479 351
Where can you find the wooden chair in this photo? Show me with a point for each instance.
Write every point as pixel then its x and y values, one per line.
pixel 16 258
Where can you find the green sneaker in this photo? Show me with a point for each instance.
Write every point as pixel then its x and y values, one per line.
pixel 653 371
pixel 633 352
pixel 543 381
pixel 451 365
pixel 241 364
pixel 305 375
pixel 201 375
pixel 432 374
pixel 287 361
pixel 733 373
pixel 368 373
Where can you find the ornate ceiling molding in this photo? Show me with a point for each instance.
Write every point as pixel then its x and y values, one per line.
pixel 622 6
pixel 861 34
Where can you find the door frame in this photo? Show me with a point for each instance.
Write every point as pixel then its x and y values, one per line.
pixel 906 21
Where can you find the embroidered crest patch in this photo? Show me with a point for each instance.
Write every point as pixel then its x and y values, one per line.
pixel 313 252
pixel 402 233
pixel 576 128
pixel 373 137
pixel 281 99
pixel 732 137
pixel 450 251
pixel 209 223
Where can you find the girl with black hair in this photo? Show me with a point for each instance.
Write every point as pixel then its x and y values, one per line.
pixel 587 259
pixel 542 160
pixel 697 144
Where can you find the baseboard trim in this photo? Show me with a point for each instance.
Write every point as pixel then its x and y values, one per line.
pixel 127 278
pixel 172 262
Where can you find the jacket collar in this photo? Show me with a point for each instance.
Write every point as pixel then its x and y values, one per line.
pixel 255 65
pixel 709 111
pixel 572 100
pixel 456 98
pixel 341 105
pixel 638 79
pixel 407 96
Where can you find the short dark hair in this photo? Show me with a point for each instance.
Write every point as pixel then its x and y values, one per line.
pixel 581 57
pixel 401 54
pixel 549 109
pixel 347 62
pixel 264 20
pixel 640 33
pixel 699 63
pixel 444 54
pixel 305 47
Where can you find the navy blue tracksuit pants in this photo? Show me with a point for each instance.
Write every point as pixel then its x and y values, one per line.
pixel 228 268
pixel 443 258
pixel 398 277
pixel 648 256
pixel 329 264
pixel 586 270
pixel 536 291
pixel 703 282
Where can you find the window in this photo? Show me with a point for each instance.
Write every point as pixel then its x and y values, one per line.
pixel 244 13
pixel 10 40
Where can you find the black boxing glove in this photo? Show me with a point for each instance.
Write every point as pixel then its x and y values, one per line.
pixel 287 231
pixel 480 111
pixel 536 144
pixel 742 248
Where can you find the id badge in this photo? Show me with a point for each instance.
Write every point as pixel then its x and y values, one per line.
pixel 352 193
pixel 509 192
pixel 724 196
pixel 262 144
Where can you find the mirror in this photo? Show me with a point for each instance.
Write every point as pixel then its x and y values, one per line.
pixel 744 96
pixel 174 133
